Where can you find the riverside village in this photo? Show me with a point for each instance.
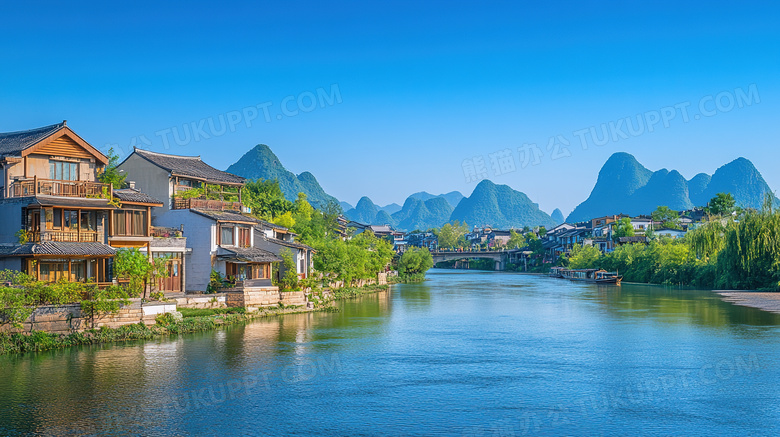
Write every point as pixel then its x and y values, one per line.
pixel 467 219
pixel 89 242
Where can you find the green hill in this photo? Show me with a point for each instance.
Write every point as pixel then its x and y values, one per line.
pixel 262 163
pixel 557 216
pixel 500 206
pixel 625 186
pixel 364 212
pixel 453 197
pixel 423 215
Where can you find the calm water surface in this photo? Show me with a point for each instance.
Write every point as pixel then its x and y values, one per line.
pixel 465 353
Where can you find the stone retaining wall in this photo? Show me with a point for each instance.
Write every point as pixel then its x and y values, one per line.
pixel 203 301
pixel 253 298
pixel 297 298
pixel 64 319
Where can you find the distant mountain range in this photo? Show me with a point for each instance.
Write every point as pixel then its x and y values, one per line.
pixel 489 205
pixel 262 163
pixel 432 212
pixel 500 206
pixel 626 186
pixel 623 186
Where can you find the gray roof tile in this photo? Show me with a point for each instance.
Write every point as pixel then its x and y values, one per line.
pixel 226 216
pixel 247 254
pixel 133 195
pixel 61 248
pixel 189 166
pixel 13 143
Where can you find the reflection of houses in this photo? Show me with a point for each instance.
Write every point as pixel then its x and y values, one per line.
pixel 206 203
pixel 275 239
pixel 57 219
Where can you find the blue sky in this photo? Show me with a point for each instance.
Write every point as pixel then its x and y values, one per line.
pixel 408 92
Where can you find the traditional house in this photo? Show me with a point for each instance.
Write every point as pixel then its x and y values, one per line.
pixel 206 204
pixel 498 238
pixel 276 239
pixel 58 220
pixel 428 240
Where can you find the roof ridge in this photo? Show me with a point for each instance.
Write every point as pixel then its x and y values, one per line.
pixel 42 128
pixel 167 154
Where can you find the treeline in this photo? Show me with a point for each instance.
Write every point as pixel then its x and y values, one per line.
pixel 360 257
pixel 741 252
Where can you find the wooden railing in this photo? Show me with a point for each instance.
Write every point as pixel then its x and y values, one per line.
pixel 48 187
pixel 211 205
pixel 63 236
pixel 165 232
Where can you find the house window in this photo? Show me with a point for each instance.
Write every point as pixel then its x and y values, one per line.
pixel 70 219
pixel 63 171
pixel 244 239
pixel 226 236
pixel 130 223
pixel 88 221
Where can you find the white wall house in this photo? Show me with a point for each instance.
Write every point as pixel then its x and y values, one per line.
pixel 206 204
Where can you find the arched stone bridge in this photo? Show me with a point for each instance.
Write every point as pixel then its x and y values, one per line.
pixel 500 257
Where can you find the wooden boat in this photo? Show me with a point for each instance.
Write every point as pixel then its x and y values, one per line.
pixel 594 276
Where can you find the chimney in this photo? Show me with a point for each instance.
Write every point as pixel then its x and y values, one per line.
pixel 131 184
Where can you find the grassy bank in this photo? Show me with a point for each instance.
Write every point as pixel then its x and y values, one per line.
pixel 194 320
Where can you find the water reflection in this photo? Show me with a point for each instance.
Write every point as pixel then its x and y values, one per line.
pixel 463 349
pixel 674 305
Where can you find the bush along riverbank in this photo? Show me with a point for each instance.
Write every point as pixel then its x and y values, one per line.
pixel 739 252
pixel 168 324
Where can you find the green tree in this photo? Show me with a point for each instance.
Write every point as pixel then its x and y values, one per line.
pixel 534 244
pixel 721 204
pixel 667 216
pixel 265 198
pixel 110 174
pixel 415 260
pixel 516 240
pixel 135 266
pixel 289 280
pixel 102 301
pixel 285 220
pixel 452 235
pixel 584 257
pixel 623 228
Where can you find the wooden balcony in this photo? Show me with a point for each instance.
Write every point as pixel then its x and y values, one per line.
pixel 63 236
pixel 211 205
pixel 165 232
pixel 49 187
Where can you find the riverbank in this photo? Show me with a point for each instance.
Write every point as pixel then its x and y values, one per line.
pixel 39 341
pixel 755 299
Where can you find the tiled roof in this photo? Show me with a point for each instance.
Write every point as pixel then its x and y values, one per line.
pixel 226 216
pixel 60 249
pixel 83 202
pixel 189 166
pixel 284 243
pixel 635 239
pixel 133 195
pixel 13 143
pixel 268 225
pixel 247 254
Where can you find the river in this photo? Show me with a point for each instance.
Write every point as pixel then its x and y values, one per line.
pixel 465 353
